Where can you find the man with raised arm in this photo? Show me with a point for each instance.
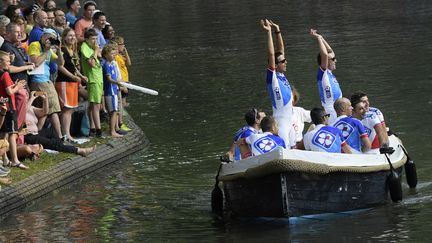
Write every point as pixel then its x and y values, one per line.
pixel 278 85
pixel 328 85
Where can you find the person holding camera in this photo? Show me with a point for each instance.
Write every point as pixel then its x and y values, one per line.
pixel 42 53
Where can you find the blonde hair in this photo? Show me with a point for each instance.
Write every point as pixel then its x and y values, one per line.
pixel 107 49
pixel 4 54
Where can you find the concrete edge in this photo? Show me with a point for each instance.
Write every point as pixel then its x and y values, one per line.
pixel 23 193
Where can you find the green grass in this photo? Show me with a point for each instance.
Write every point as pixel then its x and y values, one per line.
pixel 47 161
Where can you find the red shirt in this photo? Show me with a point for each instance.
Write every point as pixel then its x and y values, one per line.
pixel 5 82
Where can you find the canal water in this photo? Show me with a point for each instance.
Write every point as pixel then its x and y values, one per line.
pixel 207 59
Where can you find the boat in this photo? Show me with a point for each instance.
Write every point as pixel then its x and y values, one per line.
pixel 291 183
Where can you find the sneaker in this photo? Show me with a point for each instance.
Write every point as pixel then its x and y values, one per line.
pixel 92 132
pixel 125 128
pixel 121 132
pixel 99 133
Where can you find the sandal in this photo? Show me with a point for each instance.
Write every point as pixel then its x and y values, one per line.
pixel 20 165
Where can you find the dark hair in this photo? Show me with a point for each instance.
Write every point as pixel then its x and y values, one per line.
pixel 277 54
pixel 97 15
pixel 105 30
pixel 251 115
pixel 10 11
pixel 317 115
pixel 89 33
pixel 267 123
pixel 69 3
pixel 356 98
pixel 88 4
pixel 45 6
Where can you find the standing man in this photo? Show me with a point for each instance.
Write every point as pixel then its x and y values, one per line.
pixel 18 68
pixel 41 53
pixel 72 15
pixel 59 21
pixel 328 85
pixel 353 131
pixel 41 21
pixel 86 21
pixel 99 22
pixel 278 85
pixel 324 138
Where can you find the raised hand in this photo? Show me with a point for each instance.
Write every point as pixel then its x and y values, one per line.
pixel 314 33
pixel 265 24
pixel 274 25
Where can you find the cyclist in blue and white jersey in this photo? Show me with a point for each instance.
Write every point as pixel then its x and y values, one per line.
pixel 278 85
pixel 328 85
pixel 353 131
pixel 324 138
pixel 266 141
pixel 240 150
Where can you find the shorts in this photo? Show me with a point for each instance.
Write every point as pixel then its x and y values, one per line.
pixel 112 103
pixel 67 93
pixel 10 124
pixel 53 99
pixel 95 92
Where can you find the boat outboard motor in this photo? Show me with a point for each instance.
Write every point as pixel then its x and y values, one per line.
pixel 410 170
pixel 393 179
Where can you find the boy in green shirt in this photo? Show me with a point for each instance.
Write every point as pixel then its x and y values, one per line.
pixel 92 69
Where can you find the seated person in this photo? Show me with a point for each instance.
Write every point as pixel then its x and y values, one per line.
pixel 47 137
pixel 375 129
pixel 238 150
pixel 268 140
pixel 353 131
pixel 324 138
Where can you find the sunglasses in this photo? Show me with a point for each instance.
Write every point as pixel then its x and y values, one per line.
pixel 281 61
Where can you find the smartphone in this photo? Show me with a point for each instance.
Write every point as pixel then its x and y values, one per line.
pixel 4 99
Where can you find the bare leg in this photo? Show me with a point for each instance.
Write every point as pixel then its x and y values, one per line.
pixel 94 108
pixel 66 121
pixel 114 124
pixel 86 151
pixel 13 151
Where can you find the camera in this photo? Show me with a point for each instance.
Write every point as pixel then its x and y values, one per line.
pixel 54 42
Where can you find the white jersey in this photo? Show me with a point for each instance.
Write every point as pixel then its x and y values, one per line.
pixel 370 121
pixel 261 143
pixel 376 112
pixel 300 116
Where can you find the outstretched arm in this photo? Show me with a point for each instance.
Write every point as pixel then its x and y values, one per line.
pixel 324 48
pixel 279 40
pixel 271 53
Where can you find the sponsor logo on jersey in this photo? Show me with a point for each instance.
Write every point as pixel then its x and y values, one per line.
pixel 265 144
pixel 345 128
pixel 324 139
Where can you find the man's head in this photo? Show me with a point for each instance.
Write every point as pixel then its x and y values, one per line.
pixel 41 18
pixel 73 5
pixel 362 96
pixel 331 60
pixel 4 60
pixel 343 106
pixel 269 124
pixel 99 20
pixel 60 19
pixel 280 62
pixel 319 116
pixel 13 33
pixel 4 21
pixel 359 110
pixel 253 117
pixel 89 8
pixel 51 17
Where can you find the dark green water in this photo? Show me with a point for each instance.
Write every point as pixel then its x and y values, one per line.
pixel 207 60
